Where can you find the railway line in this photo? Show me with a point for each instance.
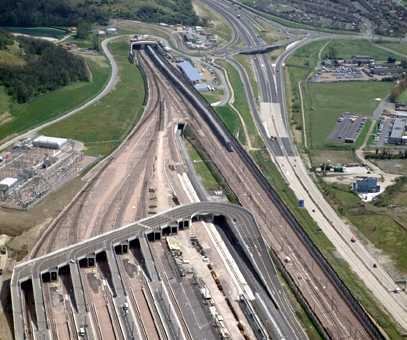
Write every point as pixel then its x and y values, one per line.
pixel 80 221
pixel 253 191
pixel 347 307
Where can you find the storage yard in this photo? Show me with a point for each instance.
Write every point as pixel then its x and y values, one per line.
pixel 31 169
pixel 357 68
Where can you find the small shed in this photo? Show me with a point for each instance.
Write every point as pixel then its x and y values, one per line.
pixel 111 30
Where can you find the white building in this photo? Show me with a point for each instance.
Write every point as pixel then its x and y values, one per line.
pixel 49 142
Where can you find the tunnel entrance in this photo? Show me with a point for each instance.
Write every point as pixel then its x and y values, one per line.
pixel 103 266
pixel 28 296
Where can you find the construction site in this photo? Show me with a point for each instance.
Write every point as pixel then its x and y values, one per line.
pixel 34 167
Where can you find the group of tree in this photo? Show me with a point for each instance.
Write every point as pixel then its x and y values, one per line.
pixel 5 40
pixel 399 88
pixel 47 67
pixel 168 11
pixel 385 153
pixel 29 13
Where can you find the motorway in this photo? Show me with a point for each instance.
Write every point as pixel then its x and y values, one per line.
pixel 336 316
pixel 307 270
pixel 272 121
pixel 103 203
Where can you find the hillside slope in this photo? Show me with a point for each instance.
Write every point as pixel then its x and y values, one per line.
pixel 71 12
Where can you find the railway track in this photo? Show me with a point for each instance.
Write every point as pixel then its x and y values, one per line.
pixel 66 229
pixel 334 283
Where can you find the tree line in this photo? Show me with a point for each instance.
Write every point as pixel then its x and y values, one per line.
pixel 47 67
pixel 399 88
pixel 31 13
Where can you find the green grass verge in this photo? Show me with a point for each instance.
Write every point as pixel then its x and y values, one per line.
pixel 241 103
pixel 232 122
pixel 219 25
pixel 51 105
pixel 202 169
pixel 103 125
pixel 399 47
pixel 213 97
pixel 245 62
pixel 298 67
pixel 205 168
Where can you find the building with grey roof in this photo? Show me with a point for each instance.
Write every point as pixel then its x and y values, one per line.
pixel 189 71
pixel 397 132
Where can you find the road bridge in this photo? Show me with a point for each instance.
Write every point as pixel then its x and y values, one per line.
pixel 46 268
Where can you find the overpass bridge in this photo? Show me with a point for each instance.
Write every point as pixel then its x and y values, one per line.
pixel 260 49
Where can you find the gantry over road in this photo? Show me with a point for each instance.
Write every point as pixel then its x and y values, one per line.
pixel 91 309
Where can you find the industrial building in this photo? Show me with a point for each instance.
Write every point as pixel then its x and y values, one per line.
pixel 366 185
pixel 49 142
pixel 189 71
pixel 35 167
pixel 397 132
pixel 362 60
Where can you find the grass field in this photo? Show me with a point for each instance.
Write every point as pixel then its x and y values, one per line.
pixel 103 125
pixel 52 104
pixel 325 102
pixel 399 47
pixel 347 48
pixel 232 122
pixel 299 67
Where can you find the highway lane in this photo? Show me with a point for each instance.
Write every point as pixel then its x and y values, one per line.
pixel 340 234
pixel 298 177
pixel 266 87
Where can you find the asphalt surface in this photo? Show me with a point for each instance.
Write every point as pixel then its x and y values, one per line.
pixel 244 229
pixel 271 82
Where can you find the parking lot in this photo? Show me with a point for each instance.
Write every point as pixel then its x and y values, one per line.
pixel 348 128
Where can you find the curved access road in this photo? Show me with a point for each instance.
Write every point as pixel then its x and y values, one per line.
pixel 114 77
